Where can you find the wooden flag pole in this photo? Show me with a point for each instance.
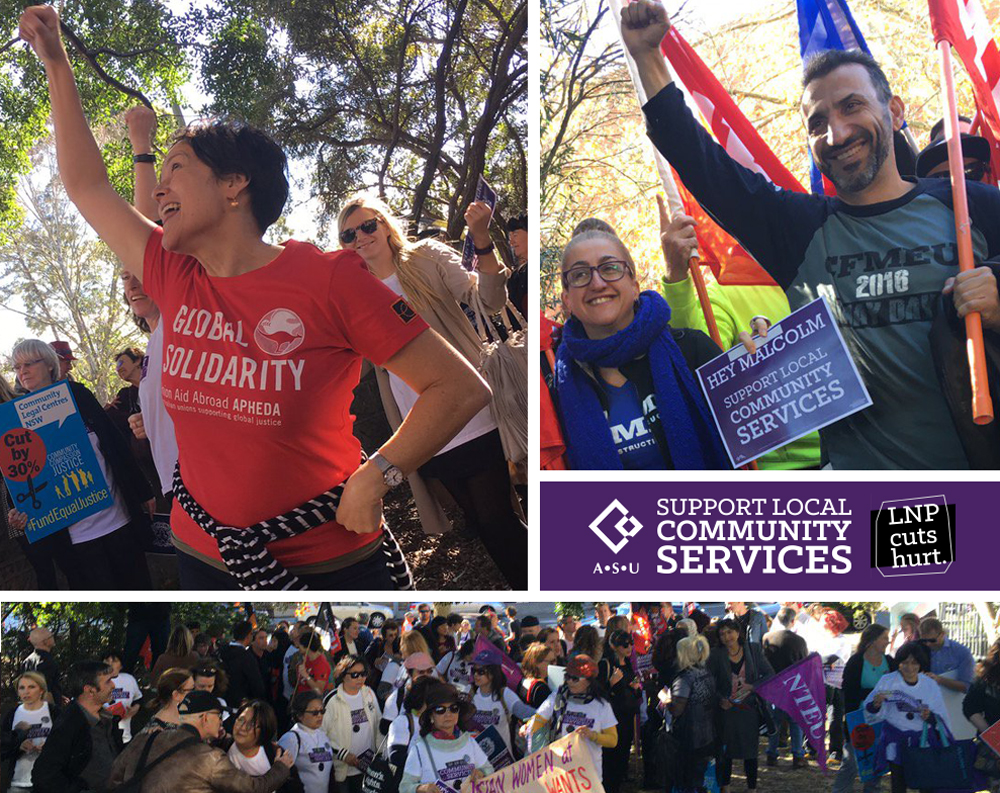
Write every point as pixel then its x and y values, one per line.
pixel 982 405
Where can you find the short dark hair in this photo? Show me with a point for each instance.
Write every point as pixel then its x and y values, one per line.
pixel 821 64
pixel 263 718
pixel 918 652
pixel 518 223
pixel 302 700
pixel 134 354
pixel 729 624
pixel 455 619
pixel 241 630
pixel 416 696
pixel 938 129
pixel 237 148
pixel 112 652
pixel 344 666
pixel 84 673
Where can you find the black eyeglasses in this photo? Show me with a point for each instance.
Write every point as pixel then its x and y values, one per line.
pixel 354 675
pixel 347 236
pixel 974 172
pixel 610 271
pixel 440 710
pixel 573 678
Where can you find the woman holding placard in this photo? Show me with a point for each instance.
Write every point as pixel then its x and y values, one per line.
pixel 103 550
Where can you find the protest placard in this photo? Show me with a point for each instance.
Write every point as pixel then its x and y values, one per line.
pixel 564 766
pixel 494 747
pixel 864 739
pixel 991 737
pixel 49 463
pixel 487 195
pixel 801 378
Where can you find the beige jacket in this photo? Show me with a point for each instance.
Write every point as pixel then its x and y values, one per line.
pixel 198 768
pixel 337 726
pixel 442 266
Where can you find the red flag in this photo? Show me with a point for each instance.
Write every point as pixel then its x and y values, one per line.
pixel 146 654
pixel 963 24
pixel 727 258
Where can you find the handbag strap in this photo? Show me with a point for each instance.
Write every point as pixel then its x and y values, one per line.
pixel 430 756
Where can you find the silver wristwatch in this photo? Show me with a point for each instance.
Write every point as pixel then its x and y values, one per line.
pixel 391 475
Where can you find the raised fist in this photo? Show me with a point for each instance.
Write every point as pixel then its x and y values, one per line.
pixel 39 27
pixel 141 123
pixel 644 24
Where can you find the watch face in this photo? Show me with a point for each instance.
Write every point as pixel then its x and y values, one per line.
pixel 393 477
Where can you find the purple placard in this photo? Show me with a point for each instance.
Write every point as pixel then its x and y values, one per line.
pixel 752 535
pixel 488 195
pixel 800 379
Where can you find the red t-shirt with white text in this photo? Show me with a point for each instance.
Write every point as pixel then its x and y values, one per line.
pixel 258 377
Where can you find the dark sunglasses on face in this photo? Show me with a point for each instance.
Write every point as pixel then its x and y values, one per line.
pixel 354 675
pixel 347 236
pixel 480 670
pixel 623 643
pixel 580 276
pixel 572 678
pixel 973 173
pixel 440 710
pixel 313 712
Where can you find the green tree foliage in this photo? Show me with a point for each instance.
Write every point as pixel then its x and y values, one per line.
pixel 563 609
pixel 413 98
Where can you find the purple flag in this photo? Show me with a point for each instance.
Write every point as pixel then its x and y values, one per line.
pixel 800 692
pixel 510 669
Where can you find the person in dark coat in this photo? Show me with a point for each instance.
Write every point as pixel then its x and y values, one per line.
pixel 782 648
pixel 85 739
pixel 41 660
pixel 241 667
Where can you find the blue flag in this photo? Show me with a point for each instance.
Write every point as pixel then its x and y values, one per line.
pixel 826 25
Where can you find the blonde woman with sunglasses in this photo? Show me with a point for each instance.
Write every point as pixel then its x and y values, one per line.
pixel 430 276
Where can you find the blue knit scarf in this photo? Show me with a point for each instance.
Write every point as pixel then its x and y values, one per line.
pixel 692 437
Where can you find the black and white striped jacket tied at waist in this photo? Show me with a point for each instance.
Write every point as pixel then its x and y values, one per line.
pixel 245 552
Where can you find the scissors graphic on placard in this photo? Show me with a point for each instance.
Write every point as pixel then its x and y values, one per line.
pixel 32 493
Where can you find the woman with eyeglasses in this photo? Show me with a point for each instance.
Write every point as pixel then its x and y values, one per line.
pixel 406 724
pixel 308 744
pixel 445 754
pixel 617 675
pixel 430 276
pixel 351 721
pixel 580 705
pixel 263 346
pixel 627 394
pixel 496 704
pixel 253 749
pixel 171 688
pixel 103 549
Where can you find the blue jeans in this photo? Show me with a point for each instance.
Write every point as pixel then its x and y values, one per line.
pixel 794 733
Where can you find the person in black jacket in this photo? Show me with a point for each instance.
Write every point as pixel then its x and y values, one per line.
pixel 101 551
pixel 43 641
pixel 782 648
pixel 241 667
pixel 85 739
pixel 861 672
pixel 615 672
pixel 625 386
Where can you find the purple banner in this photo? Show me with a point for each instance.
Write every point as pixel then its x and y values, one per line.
pixel 510 669
pixel 878 536
pixel 800 379
pixel 799 691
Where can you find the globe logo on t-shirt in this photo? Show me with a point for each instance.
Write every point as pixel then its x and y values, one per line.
pixel 279 332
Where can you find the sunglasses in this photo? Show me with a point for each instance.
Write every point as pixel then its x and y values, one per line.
pixel 573 678
pixel 312 712
pixel 440 710
pixel 973 173
pixel 347 236
pixel 354 675
pixel 480 670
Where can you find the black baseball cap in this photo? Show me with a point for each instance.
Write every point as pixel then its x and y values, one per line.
pixel 198 702
pixel 933 154
pixel 530 621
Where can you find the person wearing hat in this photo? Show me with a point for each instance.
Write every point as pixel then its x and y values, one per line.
pixel 183 759
pixel 406 724
pixel 66 358
pixel 351 721
pixel 495 702
pixel 932 162
pixel 417 666
pixel 579 705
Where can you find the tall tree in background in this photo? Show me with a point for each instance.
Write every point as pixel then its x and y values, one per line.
pixel 413 98
pixel 64 281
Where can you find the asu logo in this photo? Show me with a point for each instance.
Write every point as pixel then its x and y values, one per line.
pixel 279 332
pixel 403 311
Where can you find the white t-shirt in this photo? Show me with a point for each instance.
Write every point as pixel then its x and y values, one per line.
pixel 391 672
pixel 454 670
pixel 903 704
pixel 254 766
pixel 394 704
pixel 40 725
pixel 352 648
pixel 127 693
pixel 157 422
pixel 362 739
pixel 399 732
pixel 313 755
pixel 405 397
pixel 455 760
pixel 108 519
pixel 596 714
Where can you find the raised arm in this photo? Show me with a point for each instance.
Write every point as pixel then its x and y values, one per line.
pixel 81 168
pixel 141 123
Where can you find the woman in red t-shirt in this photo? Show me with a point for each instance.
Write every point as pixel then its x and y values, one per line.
pixel 262 349
pixel 314 671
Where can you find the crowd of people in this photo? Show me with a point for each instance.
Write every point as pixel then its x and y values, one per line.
pixel 305 708
pixel 259 346
pixel 622 391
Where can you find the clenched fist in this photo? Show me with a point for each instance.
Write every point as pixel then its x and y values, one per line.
pixel 39 27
